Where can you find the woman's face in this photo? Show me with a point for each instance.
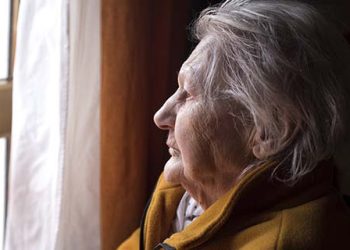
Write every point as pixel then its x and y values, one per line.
pixel 202 149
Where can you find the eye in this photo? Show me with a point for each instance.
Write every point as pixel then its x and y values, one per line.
pixel 185 95
pixel 188 96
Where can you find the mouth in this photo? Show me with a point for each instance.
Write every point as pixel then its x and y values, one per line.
pixel 173 151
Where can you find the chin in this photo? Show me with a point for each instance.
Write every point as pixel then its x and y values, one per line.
pixel 173 170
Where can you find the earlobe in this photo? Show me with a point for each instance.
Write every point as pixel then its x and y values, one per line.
pixel 263 149
pixel 256 140
pixel 262 145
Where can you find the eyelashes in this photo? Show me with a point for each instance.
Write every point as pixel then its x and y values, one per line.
pixel 184 95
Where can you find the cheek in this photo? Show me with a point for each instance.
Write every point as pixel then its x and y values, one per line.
pixel 208 145
pixel 195 150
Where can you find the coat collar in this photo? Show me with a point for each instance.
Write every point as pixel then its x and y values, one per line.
pixel 255 193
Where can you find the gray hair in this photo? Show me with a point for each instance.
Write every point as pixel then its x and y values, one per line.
pixel 288 67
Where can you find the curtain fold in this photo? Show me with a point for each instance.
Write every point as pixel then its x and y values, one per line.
pixel 143 45
pixel 38 121
pixel 79 220
pixel 124 103
pixel 54 168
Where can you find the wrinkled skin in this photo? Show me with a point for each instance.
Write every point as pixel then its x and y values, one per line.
pixel 207 153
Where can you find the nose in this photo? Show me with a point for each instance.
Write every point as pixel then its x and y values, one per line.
pixel 165 117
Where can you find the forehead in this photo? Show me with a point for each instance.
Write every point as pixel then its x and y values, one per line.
pixel 193 66
pixel 198 54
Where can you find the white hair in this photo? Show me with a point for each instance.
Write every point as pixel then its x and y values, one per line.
pixel 288 67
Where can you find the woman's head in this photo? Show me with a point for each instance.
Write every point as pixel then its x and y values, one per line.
pixel 271 77
pixel 206 146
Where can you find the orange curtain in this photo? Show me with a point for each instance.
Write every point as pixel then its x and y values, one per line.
pixel 143 45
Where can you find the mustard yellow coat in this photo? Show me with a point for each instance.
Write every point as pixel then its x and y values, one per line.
pixel 256 214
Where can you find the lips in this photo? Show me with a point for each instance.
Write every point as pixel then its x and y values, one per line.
pixel 174 152
pixel 171 143
pixel 172 146
pixel 173 149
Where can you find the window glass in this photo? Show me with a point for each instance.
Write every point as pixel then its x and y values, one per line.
pixel 4 38
pixel 2 188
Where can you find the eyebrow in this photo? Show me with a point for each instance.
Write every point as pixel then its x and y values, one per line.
pixel 188 71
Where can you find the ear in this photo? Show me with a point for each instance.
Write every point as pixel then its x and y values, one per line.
pixel 263 149
pixel 262 146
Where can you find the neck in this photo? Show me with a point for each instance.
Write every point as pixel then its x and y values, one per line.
pixel 208 191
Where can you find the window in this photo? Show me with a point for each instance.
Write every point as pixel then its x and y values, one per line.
pixel 8 18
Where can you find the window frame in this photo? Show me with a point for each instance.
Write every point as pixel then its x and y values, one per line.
pixel 6 113
pixel 6 85
pixel 6 102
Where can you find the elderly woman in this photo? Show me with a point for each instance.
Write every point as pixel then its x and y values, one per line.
pixel 252 129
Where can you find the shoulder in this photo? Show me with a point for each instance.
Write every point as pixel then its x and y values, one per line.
pixel 323 223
